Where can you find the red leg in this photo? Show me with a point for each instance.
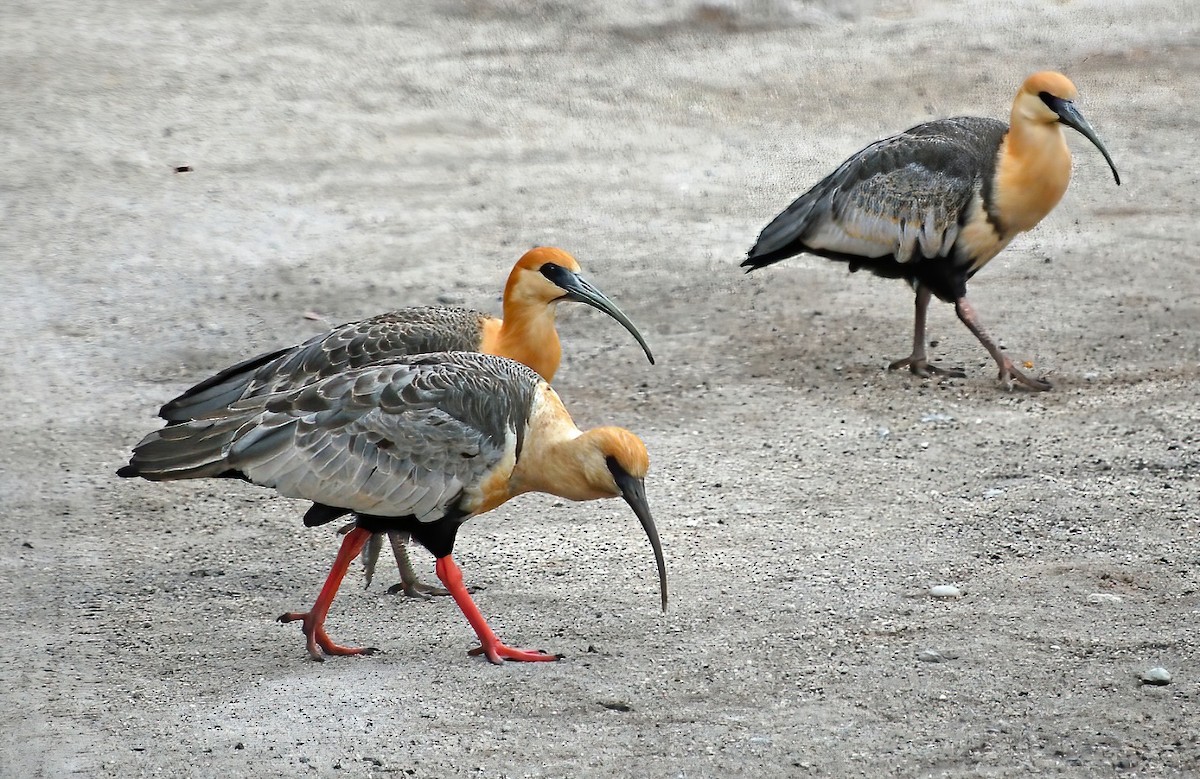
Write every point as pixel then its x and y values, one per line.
pixel 491 646
pixel 314 619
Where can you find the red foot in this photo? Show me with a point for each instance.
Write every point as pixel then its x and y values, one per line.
pixel 314 619
pixel 317 637
pixel 492 647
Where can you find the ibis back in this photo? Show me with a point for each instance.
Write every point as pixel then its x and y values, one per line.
pixel 416 330
pixel 900 206
pixel 407 437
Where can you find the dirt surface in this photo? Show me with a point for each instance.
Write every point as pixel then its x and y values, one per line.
pixel 350 158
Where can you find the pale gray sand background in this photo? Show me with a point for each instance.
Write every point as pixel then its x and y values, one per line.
pixel 354 157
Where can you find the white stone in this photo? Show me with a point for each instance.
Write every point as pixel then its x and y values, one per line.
pixel 945 591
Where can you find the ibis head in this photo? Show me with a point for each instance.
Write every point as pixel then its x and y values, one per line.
pixel 547 275
pixel 612 462
pixel 1048 98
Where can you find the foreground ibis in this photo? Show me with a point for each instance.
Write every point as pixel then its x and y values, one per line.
pixel 933 204
pixel 414 444
pixel 544 277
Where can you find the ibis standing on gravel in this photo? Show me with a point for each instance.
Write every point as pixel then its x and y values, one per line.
pixel 416 444
pixel 542 278
pixel 933 204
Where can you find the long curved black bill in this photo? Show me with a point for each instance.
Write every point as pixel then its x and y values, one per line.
pixel 633 490
pixel 580 290
pixel 1069 115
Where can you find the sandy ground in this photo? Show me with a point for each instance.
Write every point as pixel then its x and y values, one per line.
pixel 349 158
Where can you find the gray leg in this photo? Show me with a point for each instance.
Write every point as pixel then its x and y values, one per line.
pixel 918 362
pixel 1008 371
pixel 409 584
pixel 370 551
pixel 370 556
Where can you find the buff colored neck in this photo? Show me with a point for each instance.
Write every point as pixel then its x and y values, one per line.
pixel 526 334
pixel 558 458
pixel 1033 172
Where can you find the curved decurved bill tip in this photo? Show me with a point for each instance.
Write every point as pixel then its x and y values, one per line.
pixel 580 290
pixel 634 492
pixel 1069 115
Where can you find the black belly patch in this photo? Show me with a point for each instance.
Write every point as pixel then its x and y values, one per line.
pixel 944 278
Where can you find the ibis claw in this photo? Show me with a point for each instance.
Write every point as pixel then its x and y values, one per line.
pixel 497 653
pixel 318 642
pixel 418 589
pixel 1009 373
pixel 919 366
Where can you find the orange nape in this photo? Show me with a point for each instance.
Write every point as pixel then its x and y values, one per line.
pixel 544 277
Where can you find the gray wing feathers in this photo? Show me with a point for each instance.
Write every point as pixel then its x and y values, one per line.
pixel 191 452
pixel 352 345
pixel 218 391
pixel 404 437
pixel 902 196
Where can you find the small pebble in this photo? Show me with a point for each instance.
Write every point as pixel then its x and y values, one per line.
pixel 936 416
pixel 931 656
pixel 1157 676
pixel 945 591
pixel 1103 598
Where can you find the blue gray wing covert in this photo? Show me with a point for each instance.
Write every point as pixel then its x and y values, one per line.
pixel 405 437
pixel 904 196
pixel 352 345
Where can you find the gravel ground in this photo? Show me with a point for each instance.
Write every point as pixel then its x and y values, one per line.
pixel 348 158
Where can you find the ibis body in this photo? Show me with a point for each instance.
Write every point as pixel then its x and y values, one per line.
pixel 935 203
pixel 541 278
pixel 414 444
